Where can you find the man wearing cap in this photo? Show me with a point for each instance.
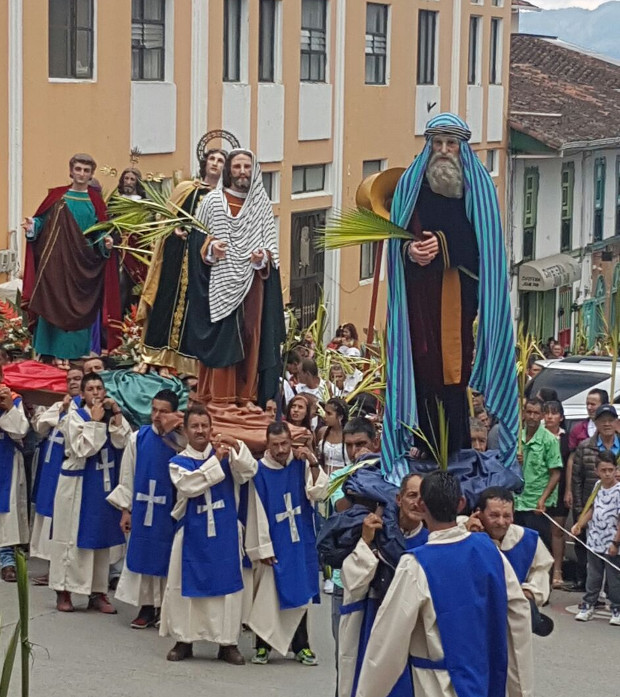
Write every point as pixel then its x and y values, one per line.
pixel 71 282
pixel 541 461
pixel 584 475
pixel 452 271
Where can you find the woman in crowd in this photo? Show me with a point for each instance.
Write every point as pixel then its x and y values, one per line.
pixel 332 453
pixel 554 417
pixel 349 342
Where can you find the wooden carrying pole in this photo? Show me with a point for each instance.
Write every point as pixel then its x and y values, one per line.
pixel 370 334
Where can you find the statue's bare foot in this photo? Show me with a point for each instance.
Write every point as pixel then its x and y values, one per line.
pixel 141 368
pixel 164 373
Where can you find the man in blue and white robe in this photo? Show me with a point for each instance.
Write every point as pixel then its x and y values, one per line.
pixel 13 489
pixel 454 612
pixel 86 527
pixel 146 496
pixel 281 541
pixel 49 458
pixel 204 593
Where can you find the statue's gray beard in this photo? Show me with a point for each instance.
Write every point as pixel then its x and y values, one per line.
pixel 445 175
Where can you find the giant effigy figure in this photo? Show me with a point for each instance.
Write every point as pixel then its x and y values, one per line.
pixel 453 271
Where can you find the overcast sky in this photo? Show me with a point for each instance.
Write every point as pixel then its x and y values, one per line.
pixel 556 4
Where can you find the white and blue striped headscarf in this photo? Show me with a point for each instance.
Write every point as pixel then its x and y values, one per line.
pixel 494 373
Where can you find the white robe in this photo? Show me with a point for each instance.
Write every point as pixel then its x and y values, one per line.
pixel 273 625
pixel 537 581
pixel 406 624
pixel 14 524
pixel 43 421
pixel 71 568
pixel 356 575
pixel 217 618
pixel 134 589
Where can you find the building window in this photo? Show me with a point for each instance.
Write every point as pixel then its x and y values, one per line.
pixel 71 26
pixel 271 182
pixel 599 197
pixel 148 32
pixel 568 185
pixel 427 28
pixel 473 60
pixel 491 164
pixel 313 40
pixel 618 195
pixel 495 55
pixel 497 3
pixel 308 178
pixel 368 252
pixel 267 41
pixel 376 43
pixel 530 211
pixel 232 40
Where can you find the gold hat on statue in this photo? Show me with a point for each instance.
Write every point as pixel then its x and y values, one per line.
pixel 376 191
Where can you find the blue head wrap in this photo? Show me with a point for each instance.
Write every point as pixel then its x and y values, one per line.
pixel 494 372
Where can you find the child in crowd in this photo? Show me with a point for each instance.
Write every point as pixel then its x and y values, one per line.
pixel 603 537
pixel 479 434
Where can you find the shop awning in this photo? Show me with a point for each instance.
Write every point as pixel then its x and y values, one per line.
pixel 548 273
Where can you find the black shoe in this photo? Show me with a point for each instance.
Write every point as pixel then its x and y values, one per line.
pixel 574 587
pixel 180 651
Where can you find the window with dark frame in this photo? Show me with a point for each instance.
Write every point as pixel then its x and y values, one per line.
pixel 530 212
pixel 599 196
pixel 266 41
pixel 473 67
pixel 308 178
pixel 313 40
pixel 269 180
pixel 427 27
pixel 71 30
pixel 368 251
pixel 376 43
pixel 495 55
pixel 232 41
pixel 568 186
pixel 148 34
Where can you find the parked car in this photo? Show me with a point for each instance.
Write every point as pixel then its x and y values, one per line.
pixel 572 378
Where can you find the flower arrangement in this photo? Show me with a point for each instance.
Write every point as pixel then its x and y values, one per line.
pixel 128 353
pixel 15 336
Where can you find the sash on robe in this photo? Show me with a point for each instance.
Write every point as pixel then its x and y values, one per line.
pixel 99 526
pixel 522 554
pixel 291 526
pixel 370 606
pixel 468 587
pixel 7 454
pixel 244 492
pixel 211 560
pixel 152 526
pixel 49 463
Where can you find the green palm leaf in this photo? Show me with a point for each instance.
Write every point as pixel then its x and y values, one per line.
pixel 359 226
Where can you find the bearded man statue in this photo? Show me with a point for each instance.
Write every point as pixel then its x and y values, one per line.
pixel 453 271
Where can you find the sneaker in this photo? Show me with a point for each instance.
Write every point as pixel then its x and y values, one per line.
pixel 261 657
pixel 307 658
pixel 100 602
pixel 328 586
pixel 615 617
pixel 586 612
pixel 146 618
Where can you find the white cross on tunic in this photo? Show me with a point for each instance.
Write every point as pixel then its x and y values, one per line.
pixel 106 465
pixel 211 506
pixel 290 514
pixel 56 437
pixel 151 500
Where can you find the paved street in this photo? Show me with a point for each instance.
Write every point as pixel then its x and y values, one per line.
pixel 89 655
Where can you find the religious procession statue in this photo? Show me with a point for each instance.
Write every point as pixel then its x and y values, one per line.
pixel 452 272
pixel 71 284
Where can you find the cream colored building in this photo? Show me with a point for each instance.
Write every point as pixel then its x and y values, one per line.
pixel 324 91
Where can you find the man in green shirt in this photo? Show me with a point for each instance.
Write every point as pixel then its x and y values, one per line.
pixel 542 462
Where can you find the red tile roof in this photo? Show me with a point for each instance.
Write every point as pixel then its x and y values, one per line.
pixel 561 94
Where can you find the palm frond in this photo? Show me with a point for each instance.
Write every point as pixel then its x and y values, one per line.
pixel 358 226
pixel 526 348
pixel 9 662
pixel 438 447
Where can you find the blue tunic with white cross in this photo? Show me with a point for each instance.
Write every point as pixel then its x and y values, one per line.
pixel 152 526
pixel 99 521
pixel 7 453
pixel 210 557
pixel 291 526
